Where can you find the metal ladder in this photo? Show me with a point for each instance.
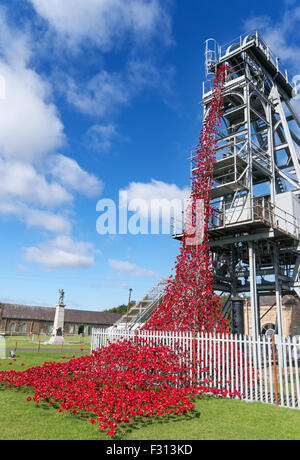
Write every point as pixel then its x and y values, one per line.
pixel 141 311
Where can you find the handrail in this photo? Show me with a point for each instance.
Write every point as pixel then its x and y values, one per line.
pixel 219 53
pixel 142 315
pixel 261 210
pixel 151 298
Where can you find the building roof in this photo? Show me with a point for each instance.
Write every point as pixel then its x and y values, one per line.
pixel 84 317
pixel 30 313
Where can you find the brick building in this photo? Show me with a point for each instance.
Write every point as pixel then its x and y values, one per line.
pixel 28 319
pixel 290 315
pixel 39 320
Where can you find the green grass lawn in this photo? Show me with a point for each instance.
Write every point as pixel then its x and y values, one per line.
pixel 213 419
pixel 71 342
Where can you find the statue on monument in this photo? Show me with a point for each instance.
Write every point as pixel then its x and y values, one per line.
pixel 57 336
pixel 61 296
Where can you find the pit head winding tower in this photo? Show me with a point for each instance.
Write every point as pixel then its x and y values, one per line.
pixel 254 232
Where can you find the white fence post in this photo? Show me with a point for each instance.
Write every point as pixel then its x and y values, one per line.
pixel 227 362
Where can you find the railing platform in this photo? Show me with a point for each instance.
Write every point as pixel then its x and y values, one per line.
pixel 247 42
pixel 259 218
pixel 246 218
pixel 253 227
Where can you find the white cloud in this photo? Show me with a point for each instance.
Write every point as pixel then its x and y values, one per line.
pixel 31 130
pixel 35 217
pixel 156 189
pixel 62 252
pixel 280 35
pixel 106 92
pixel 105 22
pixel 100 137
pixel 26 194
pixel 158 196
pixel 145 73
pixel 30 125
pixel 47 220
pixel 100 96
pixel 23 268
pixel 15 45
pixel 23 191
pixel 20 180
pixel 71 175
pixel 128 268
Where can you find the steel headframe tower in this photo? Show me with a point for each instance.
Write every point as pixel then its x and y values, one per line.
pixel 254 232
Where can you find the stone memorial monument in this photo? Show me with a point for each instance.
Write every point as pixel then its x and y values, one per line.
pixel 57 337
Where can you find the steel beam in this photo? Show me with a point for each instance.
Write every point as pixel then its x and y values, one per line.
pixel 253 291
pixel 241 238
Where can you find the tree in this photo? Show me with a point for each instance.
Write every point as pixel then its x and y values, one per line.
pixel 121 309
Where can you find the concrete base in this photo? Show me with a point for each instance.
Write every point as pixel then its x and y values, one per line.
pixel 56 340
pixel 58 326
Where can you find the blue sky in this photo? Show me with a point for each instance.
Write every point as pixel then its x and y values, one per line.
pixel 102 96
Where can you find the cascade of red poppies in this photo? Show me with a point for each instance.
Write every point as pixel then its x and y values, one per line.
pixel 137 378
pixel 117 384
pixel 190 302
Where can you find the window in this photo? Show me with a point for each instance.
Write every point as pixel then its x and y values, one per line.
pixel 12 327
pixel 23 327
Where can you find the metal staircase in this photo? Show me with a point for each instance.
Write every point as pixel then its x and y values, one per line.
pixel 141 311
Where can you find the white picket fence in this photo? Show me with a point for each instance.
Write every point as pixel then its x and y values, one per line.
pixel 266 370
